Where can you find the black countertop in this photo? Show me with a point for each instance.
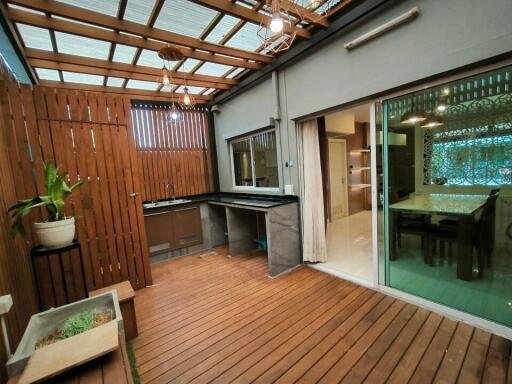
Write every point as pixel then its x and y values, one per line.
pixel 255 201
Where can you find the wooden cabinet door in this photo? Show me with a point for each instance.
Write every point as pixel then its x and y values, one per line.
pixel 159 230
pixel 187 227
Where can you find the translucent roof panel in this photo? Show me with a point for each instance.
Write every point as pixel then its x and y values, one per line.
pixel 235 72
pixel 222 28
pixel 34 37
pixel 82 78
pixel 150 59
pixel 140 84
pixel 48 74
pixel 139 11
pixel 124 53
pixel 184 17
pixel 213 69
pixel 115 82
pixel 209 91
pixel 82 46
pixel 108 7
pixel 246 38
pixel 188 65
pixel 191 90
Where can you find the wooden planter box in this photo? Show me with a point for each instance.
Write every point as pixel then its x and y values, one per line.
pixel 33 365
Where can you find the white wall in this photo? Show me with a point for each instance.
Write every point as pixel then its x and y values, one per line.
pixel 448 34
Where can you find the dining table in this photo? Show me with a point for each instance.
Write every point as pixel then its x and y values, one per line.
pixel 462 207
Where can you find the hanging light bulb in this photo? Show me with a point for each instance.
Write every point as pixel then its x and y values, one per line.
pixel 165 77
pixel 277 33
pixel 276 22
pixel 187 100
pixel 174 112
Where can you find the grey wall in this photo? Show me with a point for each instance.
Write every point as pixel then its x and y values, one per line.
pixel 448 34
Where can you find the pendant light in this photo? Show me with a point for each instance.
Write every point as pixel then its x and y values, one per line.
pixel 168 54
pixel 413 117
pixel 275 32
pixel 187 100
pixel 432 120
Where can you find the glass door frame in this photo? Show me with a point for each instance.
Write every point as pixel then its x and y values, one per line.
pixel 381 282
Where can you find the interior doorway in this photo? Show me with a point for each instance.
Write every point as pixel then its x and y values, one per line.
pixel 345 148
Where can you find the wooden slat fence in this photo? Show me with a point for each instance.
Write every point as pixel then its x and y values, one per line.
pixel 16 276
pixel 174 155
pixel 90 136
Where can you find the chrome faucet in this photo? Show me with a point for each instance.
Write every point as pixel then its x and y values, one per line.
pixel 173 192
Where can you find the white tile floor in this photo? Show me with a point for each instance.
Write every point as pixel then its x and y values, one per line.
pixel 349 246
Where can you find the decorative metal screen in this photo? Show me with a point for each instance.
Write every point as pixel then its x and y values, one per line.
pixel 474 146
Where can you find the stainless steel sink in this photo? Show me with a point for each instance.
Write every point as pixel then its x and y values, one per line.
pixel 167 203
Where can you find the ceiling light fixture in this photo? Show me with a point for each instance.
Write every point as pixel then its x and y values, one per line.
pixel 413 117
pixel 276 33
pixel 432 121
pixel 168 54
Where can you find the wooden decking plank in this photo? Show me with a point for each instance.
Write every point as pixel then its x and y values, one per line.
pixel 405 368
pixel 392 356
pixel 450 367
pixel 229 314
pixel 473 366
pixel 335 329
pixel 219 319
pixel 247 356
pixel 427 369
pixel 374 352
pixel 496 366
pixel 336 344
pixel 208 352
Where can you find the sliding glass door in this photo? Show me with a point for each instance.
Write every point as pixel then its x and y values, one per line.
pixel 446 194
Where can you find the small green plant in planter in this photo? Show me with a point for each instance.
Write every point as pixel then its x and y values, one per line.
pixel 59 230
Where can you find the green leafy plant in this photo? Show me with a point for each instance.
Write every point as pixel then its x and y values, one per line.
pixel 77 324
pixel 57 190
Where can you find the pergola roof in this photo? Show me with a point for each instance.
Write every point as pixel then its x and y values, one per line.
pixel 112 44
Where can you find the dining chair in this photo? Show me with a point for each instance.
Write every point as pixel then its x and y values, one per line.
pixel 482 234
pixel 412 224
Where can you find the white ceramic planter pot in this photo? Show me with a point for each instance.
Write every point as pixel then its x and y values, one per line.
pixel 55 234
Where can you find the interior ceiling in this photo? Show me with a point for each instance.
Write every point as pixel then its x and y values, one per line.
pixel 111 45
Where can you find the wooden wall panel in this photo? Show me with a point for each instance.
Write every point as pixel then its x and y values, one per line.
pixel 90 136
pixel 174 156
pixel 15 267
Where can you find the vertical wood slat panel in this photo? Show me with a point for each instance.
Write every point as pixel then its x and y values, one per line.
pixel 16 277
pixel 87 135
pixel 172 153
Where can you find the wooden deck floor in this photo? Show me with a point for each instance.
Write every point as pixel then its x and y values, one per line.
pixel 214 319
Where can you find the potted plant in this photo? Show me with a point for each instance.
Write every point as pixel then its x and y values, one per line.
pixel 58 230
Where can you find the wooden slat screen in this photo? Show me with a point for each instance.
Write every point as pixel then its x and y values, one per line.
pixel 174 155
pixel 90 136
pixel 16 276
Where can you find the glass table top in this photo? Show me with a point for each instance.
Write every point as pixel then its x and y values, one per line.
pixel 446 204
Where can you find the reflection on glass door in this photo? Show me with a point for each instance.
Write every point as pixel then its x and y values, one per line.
pixel 447 155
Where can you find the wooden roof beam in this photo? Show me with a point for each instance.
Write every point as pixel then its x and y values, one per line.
pixel 39 54
pixel 301 12
pixel 246 14
pixel 136 93
pixel 37 63
pixel 111 36
pixel 102 20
